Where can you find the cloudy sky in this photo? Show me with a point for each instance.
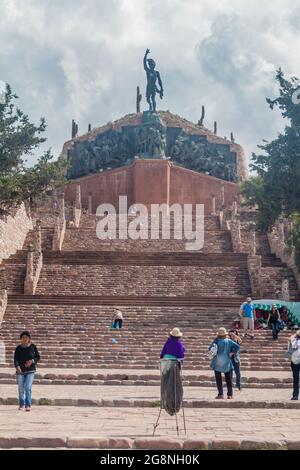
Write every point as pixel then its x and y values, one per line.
pixel 82 59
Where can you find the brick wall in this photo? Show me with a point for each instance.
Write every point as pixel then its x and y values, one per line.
pixel 13 231
pixel 144 280
pixel 150 182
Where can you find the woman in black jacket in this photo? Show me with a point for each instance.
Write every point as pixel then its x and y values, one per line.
pixel 274 321
pixel 25 359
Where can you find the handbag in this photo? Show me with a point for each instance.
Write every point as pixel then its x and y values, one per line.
pixel 279 325
pixel 213 351
pixel 289 352
pixel 295 358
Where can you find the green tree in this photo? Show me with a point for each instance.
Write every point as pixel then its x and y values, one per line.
pixel 19 138
pixel 275 189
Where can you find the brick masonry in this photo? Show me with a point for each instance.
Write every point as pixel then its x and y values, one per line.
pixel 13 231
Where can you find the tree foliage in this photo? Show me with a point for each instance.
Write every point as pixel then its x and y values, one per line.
pixel 19 138
pixel 276 188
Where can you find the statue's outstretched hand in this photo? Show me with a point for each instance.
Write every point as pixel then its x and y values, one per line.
pixel 147 51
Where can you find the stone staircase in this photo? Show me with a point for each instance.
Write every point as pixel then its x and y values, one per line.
pixel 158 285
pixel 80 336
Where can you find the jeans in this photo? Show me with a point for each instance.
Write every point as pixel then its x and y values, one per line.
pixel 296 371
pixel 236 367
pixel 275 330
pixel 117 323
pixel 228 375
pixel 25 382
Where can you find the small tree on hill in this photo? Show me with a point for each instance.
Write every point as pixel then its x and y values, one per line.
pixel 18 139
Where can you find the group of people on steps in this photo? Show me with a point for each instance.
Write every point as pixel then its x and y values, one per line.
pixel 224 353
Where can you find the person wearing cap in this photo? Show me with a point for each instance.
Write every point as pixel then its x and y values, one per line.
pixel 294 345
pixel 173 347
pixel 25 359
pixel 224 348
pixel 247 312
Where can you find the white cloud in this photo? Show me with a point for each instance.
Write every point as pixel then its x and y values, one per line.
pixel 82 59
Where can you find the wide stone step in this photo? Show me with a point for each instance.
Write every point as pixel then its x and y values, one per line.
pixel 149 396
pixel 157 259
pixel 140 378
pixel 107 427
pixel 144 280
pixel 124 300
pixel 87 240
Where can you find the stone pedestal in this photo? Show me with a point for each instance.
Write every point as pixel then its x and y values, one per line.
pixel 151 182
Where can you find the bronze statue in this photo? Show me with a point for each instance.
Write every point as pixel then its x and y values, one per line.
pixel 152 76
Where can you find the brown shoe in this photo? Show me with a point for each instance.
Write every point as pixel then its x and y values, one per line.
pixel 230 397
pixel 219 397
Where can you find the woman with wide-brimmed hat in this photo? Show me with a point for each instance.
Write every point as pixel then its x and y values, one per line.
pixel 173 347
pixel 221 351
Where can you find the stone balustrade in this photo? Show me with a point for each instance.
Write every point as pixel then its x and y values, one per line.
pixel 77 207
pixel 90 203
pixel 13 231
pixel 254 269
pixel 60 226
pixel 278 245
pixel 3 303
pixel 33 270
pixel 235 229
pixel 285 290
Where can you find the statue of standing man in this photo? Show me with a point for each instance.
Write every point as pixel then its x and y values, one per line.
pixel 152 76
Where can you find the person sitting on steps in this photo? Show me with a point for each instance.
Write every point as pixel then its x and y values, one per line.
pixel 117 320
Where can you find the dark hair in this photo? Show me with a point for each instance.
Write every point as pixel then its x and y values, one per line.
pixel 235 331
pixel 25 333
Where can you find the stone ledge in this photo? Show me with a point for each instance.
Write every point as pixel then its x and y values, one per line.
pixel 152 403
pixel 156 443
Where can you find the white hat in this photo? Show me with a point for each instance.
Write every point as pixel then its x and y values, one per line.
pixel 222 333
pixel 176 333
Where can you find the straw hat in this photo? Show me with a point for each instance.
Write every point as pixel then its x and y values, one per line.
pixel 176 333
pixel 298 333
pixel 222 332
